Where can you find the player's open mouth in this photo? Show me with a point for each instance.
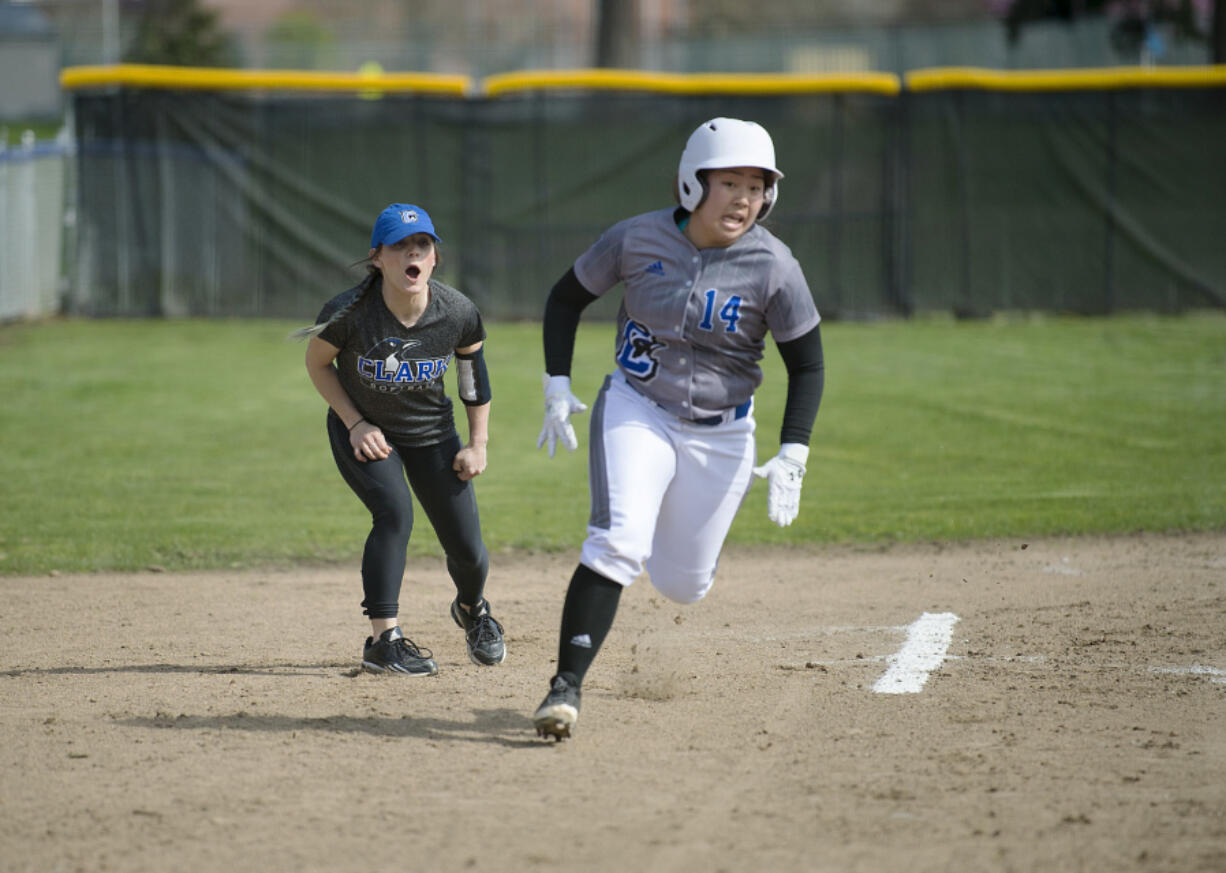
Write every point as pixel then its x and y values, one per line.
pixel 413 272
pixel 732 222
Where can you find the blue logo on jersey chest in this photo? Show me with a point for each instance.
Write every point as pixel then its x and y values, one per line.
pixel 402 372
pixel 636 354
pixel 386 366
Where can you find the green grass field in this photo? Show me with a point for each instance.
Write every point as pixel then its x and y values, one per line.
pixel 44 129
pixel 200 444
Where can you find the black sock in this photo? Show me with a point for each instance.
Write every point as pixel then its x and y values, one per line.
pixel 591 603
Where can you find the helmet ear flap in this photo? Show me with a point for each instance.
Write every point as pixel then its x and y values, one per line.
pixel 771 195
pixel 691 189
pixel 768 202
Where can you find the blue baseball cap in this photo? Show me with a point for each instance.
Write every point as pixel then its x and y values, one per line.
pixel 398 221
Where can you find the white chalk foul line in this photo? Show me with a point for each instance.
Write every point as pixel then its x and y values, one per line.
pixel 928 639
pixel 1216 676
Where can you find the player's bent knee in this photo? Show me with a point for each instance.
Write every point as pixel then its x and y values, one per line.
pixel 682 588
pixel 679 581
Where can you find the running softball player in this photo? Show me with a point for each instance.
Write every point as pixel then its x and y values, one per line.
pixel 377 354
pixel 672 433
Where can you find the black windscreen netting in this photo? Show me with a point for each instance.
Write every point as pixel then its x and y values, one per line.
pixel 1083 202
pixel 221 204
pixel 260 204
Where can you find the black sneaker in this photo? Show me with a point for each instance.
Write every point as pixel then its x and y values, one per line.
pixel 393 652
pixel 559 711
pixel 482 632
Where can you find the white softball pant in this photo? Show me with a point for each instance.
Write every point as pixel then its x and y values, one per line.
pixel 664 491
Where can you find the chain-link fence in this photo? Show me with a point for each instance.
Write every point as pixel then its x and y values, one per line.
pixel 32 179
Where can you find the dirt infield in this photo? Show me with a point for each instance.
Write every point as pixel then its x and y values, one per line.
pixel 216 722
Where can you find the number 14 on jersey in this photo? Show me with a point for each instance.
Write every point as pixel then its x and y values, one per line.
pixel 729 313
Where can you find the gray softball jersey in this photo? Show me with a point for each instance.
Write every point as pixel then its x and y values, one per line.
pixel 394 374
pixel 692 322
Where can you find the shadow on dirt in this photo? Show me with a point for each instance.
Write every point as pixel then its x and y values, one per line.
pixel 345 668
pixel 505 727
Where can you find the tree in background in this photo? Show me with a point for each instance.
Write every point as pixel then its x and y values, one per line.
pixel 180 33
pixel 616 34
pixel 1138 24
pixel 299 39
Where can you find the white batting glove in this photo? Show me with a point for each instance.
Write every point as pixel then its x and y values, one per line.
pixel 784 474
pixel 559 404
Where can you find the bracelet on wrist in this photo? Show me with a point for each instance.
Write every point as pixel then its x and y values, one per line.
pixel 355 424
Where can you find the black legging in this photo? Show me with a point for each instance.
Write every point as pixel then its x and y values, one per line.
pixel 450 504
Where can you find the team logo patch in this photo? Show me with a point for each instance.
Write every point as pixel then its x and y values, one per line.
pixel 636 354
pixel 408 216
pixel 388 369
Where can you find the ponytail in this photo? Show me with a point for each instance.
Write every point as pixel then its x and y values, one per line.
pixel 372 278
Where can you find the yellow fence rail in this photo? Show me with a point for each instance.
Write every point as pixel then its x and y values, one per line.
pixel 1092 79
pixel 209 79
pixel 687 83
pixel 529 81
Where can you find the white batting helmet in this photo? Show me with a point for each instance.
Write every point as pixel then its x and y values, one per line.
pixel 720 144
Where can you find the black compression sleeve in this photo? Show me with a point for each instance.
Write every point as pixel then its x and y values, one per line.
pixel 806 378
pixel 566 303
pixel 472 378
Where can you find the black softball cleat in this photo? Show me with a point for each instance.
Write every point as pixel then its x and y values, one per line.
pixel 482 633
pixel 393 652
pixel 558 712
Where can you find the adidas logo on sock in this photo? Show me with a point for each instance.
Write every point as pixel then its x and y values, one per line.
pixel 657 268
pixel 582 640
